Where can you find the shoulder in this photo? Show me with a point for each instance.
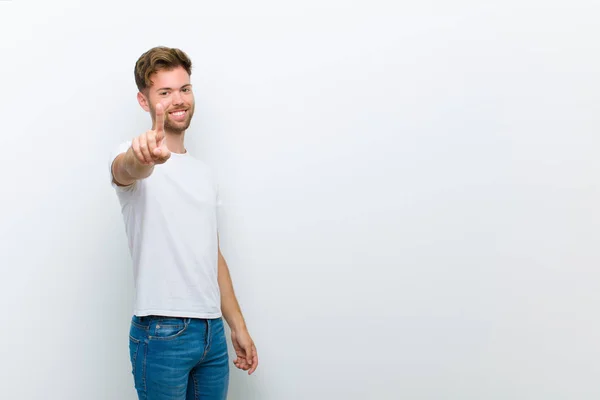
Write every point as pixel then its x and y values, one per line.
pixel 120 148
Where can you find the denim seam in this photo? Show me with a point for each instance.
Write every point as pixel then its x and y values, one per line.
pixel 207 334
pixel 196 391
pixel 144 367
pixel 144 327
pixel 209 338
pixel 134 358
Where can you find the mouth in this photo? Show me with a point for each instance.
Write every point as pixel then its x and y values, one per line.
pixel 178 115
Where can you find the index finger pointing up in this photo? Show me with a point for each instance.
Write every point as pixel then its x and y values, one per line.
pixel 159 122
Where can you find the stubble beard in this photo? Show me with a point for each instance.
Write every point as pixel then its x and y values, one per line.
pixel 177 127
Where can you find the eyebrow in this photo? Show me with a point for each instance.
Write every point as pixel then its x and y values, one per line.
pixel 168 88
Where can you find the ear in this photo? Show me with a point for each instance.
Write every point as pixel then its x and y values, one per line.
pixel 143 101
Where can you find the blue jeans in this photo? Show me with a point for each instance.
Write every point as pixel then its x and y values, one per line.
pixel 179 358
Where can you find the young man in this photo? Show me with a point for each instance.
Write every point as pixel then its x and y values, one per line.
pixel 183 288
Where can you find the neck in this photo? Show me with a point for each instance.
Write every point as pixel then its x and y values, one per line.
pixel 175 141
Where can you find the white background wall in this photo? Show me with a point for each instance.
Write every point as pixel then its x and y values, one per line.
pixel 411 192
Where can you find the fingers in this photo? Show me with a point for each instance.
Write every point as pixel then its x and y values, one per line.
pixel 253 360
pixel 162 152
pixel 148 150
pixel 240 364
pixel 158 145
pixel 248 353
pixel 247 359
pixel 139 153
pixel 152 144
pixel 240 361
pixel 151 147
pixel 159 123
pixel 245 350
pixel 144 139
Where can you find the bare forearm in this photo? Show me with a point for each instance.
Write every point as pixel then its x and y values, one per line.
pixel 247 357
pixel 134 168
pixel 229 304
pixel 128 169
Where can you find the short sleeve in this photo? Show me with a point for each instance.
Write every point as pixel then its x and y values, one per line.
pixel 122 148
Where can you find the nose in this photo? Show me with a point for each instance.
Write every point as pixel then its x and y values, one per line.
pixel 176 98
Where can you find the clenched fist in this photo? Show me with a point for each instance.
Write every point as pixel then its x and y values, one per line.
pixel 150 148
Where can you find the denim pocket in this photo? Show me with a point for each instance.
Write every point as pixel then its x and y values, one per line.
pixel 168 328
pixel 137 354
pixel 134 346
pixel 137 322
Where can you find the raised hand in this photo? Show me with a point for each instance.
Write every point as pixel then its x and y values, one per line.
pixel 150 148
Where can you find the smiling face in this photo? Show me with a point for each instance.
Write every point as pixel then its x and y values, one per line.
pixel 172 88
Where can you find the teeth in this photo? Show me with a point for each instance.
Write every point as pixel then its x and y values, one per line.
pixel 178 113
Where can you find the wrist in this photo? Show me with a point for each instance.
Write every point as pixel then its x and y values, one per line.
pixel 135 167
pixel 237 324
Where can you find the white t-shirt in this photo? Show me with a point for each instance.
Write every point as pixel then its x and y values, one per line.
pixel 171 224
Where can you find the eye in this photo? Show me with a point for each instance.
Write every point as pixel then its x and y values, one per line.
pixel 163 93
pixel 187 90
